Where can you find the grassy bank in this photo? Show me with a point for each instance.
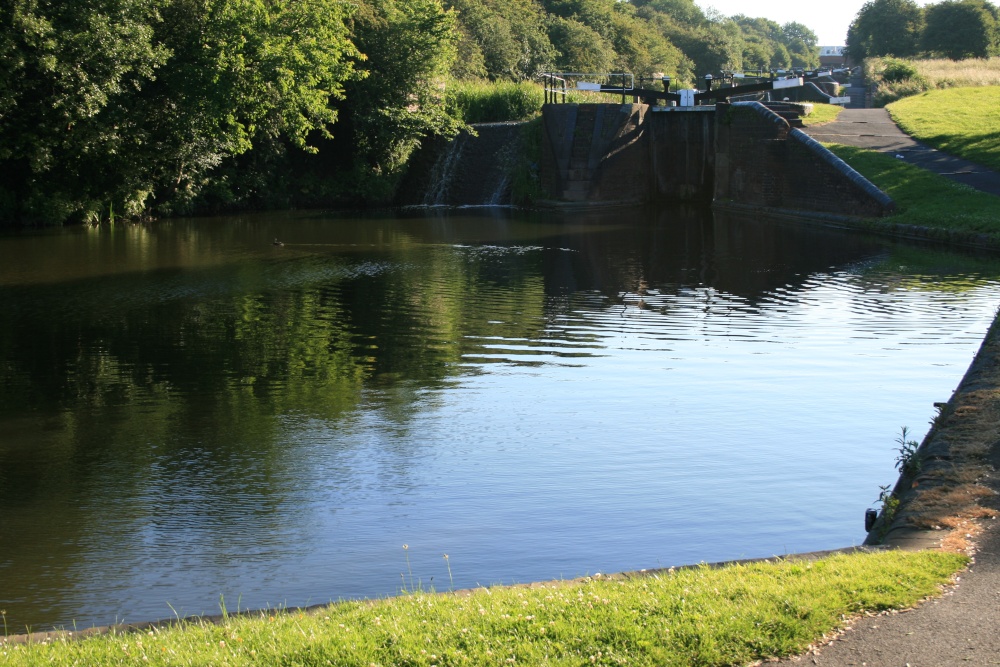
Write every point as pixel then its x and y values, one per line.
pixel 926 199
pixel 700 616
pixel 822 113
pixel 959 121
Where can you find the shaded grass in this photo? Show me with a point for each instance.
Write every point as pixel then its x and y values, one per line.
pixel 959 121
pixel 699 616
pixel 923 198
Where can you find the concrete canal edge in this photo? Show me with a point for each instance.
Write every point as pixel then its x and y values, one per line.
pixel 937 500
pixel 51 636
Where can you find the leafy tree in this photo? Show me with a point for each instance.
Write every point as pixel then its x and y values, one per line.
pixel 960 29
pixel 713 47
pixel 242 72
pixel 595 14
pixel 408 47
pixel 885 27
pixel 641 49
pixel 66 66
pixel 581 48
pixel 126 106
pixel 684 12
pixel 501 39
pixel 802 45
pixel 762 46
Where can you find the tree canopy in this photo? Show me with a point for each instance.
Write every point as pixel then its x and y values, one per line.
pixel 953 29
pixel 960 29
pixel 153 107
pixel 884 28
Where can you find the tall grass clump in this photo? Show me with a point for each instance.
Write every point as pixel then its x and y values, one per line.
pixel 701 616
pixel 972 72
pixel 494 102
pixel 896 78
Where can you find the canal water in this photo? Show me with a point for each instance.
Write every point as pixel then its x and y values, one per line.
pixel 190 413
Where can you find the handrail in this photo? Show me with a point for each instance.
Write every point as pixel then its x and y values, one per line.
pixel 557 84
pixel 553 85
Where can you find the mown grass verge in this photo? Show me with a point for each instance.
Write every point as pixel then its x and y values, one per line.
pixel 959 121
pixel 822 113
pixel 698 616
pixel 925 199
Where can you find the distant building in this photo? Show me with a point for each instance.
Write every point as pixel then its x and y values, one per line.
pixel 832 56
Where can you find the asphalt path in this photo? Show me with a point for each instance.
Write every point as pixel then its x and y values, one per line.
pixel 874 129
pixel 960 628
pixel 963 626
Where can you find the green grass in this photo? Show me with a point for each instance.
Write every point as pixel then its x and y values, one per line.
pixel 822 113
pixel 924 198
pixel 700 616
pixel 959 121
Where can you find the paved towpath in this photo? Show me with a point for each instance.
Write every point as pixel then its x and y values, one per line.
pixel 963 626
pixel 960 628
pixel 875 130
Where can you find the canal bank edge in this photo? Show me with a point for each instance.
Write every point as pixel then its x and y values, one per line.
pixel 938 500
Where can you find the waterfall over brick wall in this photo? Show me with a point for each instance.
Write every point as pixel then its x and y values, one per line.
pixel 469 170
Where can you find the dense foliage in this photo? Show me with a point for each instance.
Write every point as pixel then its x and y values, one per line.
pixel 155 107
pixel 951 29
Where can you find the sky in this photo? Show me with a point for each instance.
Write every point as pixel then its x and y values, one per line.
pixel 829 20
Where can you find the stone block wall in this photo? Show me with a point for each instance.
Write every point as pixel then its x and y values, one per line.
pixel 762 161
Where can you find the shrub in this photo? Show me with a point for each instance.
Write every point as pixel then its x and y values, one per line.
pixel 897 71
pixel 887 92
pixel 894 78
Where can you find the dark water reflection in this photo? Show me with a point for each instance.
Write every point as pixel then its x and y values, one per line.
pixel 189 412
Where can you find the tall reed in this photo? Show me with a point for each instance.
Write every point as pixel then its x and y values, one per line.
pixel 493 102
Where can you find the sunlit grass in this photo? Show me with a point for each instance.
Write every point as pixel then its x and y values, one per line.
pixel 923 198
pixel 960 121
pixel 700 616
pixel 945 73
pixel 822 113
